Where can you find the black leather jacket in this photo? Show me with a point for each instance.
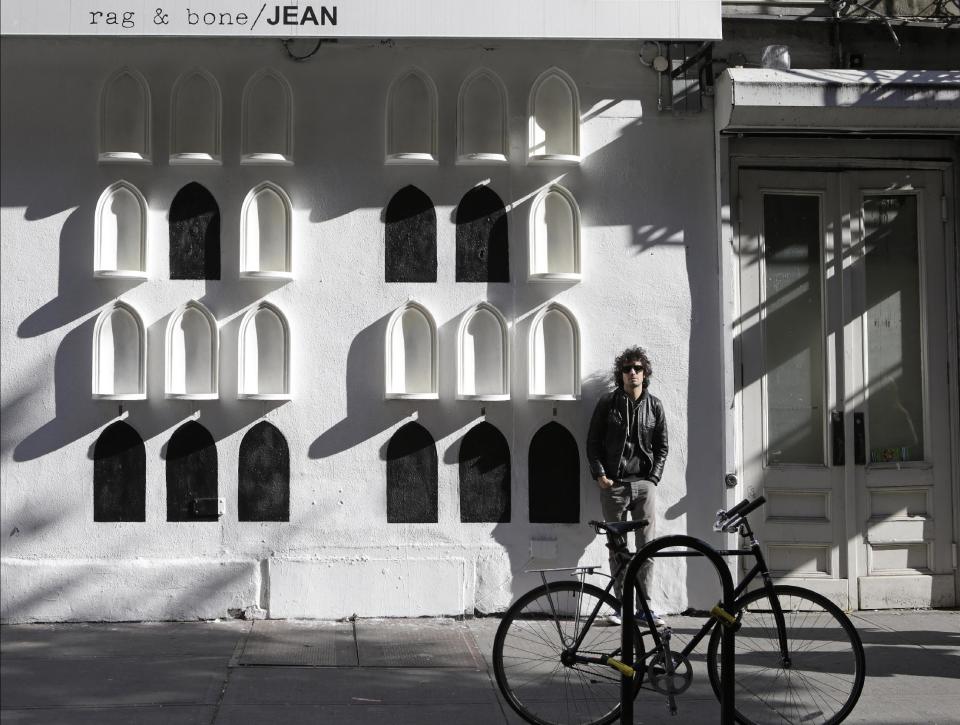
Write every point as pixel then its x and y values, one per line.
pixel 608 434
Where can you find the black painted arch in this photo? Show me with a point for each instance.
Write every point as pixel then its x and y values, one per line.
pixel 412 476
pixel 119 475
pixel 411 237
pixel 482 242
pixel 194 226
pixel 484 476
pixel 191 472
pixel 264 475
pixel 554 476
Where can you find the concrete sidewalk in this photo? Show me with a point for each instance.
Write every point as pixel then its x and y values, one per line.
pixel 401 672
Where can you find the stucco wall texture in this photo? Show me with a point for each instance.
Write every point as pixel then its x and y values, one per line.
pixel 646 191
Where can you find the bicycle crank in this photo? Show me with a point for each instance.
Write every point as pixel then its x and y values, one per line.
pixel 674 682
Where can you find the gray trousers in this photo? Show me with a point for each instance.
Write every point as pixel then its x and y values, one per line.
pixel 640 500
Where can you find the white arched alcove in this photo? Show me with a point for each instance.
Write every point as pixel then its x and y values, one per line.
pixel 195 119
pixel 120 233
pixel 267 132
pixel 483 355
pixel 554 354
pixel 192 354
pixel 411 354
pixel 411 133
pixel 482 130
pixel 119 354
pixel 554 236
pixel 125 118
pixel 266 240
pixel 554 129
pixel 264 354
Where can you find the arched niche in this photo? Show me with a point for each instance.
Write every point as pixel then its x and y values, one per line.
pixel 264 354
pixel 263 492
pixel 554 354
pixel 266 239
pixel 483 355
pixel 412 476
pixel 267 120
pixel 483 249
pixel 484 476
pixel 125 118
pixel 119 475
pixel 195 119
pixel 554 236
pixel 482 130
pixel 120 233
pixel 554 135
pixel 412 354
pixel 554 476
pixel 119 354
pixel 194 230
pixel 191 474
pixel 410 237
pixel 412 119
pixel 192 354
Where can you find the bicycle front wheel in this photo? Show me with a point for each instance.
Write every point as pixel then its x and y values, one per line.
pixel 822 680
pixel 535 668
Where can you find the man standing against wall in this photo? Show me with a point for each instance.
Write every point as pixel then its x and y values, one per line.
pixel 626 450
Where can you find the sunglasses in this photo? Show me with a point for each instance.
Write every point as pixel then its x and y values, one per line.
pixel 627 369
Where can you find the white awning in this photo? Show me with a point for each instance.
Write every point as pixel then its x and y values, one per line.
pixel 760 100
pixel 585 19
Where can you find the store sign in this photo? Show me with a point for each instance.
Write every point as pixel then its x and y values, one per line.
pixel 600 19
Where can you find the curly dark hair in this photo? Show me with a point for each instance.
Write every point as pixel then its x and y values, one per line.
pixel 629 355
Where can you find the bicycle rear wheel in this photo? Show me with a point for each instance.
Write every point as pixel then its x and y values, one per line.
pixel 825 674
pixel 536 681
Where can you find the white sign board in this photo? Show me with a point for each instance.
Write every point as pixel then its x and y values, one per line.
pixel 584 19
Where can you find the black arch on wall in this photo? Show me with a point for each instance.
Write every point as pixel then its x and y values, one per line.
pixel 554 476
pixel 484 476
pixel 264 478
pixel 411 237
pixel 412 476
pixel 191 474
pixel 194 234
pixel 482 247
pixel 119 475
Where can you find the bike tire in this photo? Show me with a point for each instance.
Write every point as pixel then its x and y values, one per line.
pixel 527 664
pixel 825 677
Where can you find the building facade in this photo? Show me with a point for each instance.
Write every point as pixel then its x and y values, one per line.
pixel 314 327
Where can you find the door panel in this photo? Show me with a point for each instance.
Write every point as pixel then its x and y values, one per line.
pixel 844 396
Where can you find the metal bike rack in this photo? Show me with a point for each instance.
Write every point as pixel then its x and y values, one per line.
pixel 649 551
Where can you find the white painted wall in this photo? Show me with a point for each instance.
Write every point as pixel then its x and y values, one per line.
pixel 646 191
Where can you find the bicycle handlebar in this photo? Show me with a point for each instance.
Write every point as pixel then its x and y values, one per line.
pixel 730 520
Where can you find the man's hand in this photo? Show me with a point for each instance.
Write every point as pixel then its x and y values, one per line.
pixel 604 483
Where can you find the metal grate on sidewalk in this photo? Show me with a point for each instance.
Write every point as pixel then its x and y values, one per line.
pixel 300 644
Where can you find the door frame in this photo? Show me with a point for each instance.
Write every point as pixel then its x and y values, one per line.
pixel 828 154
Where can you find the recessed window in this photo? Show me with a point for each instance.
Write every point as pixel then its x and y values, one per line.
pixel 412 496
pixel 265 234
pixel 191 474
pixel 192 354
pixel 194 230
pixel 125 118
pixel 195 119
pixel 264 354
pixel 412 119
pixel 482 131
pixel 119 354
pixel 119 475
pixel 554 476
pixel 120 233
pixel 411 354
pixel 554 354
pixel 484 476
pixel 410 237
pixel 267 120
pixel 263 492
pixel 554 133
pixel 555 236
pixel 483 368
pixel 483 249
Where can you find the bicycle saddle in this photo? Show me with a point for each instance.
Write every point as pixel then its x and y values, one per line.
pixel 618 528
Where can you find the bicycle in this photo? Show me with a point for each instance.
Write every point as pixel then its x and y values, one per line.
pixel 798 657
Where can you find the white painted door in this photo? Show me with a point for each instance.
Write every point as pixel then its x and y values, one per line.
pixel 844 385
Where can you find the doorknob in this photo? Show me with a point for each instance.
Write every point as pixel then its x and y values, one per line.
pixel 859 440
pixel 839 438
